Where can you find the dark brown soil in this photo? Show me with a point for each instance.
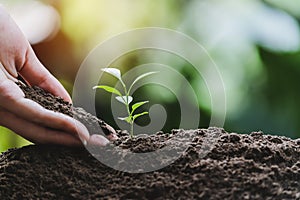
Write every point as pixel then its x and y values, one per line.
pixel 57 104
pixel 238 166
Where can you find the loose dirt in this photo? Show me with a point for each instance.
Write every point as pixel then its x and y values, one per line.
pixel 214 164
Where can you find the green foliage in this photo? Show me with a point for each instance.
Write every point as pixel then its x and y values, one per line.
pixel 125 99
pixel 108 89
pixel 10 140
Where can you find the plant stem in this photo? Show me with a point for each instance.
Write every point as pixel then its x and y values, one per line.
pixel 131 130
pixel 128 109
pixel 131 121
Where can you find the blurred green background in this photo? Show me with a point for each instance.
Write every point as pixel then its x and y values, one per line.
pixel 254 43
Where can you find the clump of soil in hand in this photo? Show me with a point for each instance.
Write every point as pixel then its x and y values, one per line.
pixel 57 104
pixel 237 166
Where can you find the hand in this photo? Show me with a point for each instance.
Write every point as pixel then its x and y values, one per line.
pixel 23 116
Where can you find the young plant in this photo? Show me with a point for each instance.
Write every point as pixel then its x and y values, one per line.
pixel 125 98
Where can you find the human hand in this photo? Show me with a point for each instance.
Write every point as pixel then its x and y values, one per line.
pixel 26 117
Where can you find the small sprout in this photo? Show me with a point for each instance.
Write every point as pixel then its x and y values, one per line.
pixel 125 98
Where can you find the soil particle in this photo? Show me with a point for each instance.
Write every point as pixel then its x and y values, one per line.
pixel 237 166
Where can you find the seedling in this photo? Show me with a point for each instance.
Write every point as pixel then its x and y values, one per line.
pixel 125 98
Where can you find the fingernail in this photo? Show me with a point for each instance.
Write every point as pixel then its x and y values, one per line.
pixel 84 142
pixel 98 140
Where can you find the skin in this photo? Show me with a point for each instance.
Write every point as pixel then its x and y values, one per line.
pixel 26 117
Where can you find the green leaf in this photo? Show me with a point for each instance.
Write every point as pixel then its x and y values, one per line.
pixel 138 115
pixel 113 71
pixel 125 99
pixel 127 119
pixel 108 89
pixel 139 78
pixel 137 105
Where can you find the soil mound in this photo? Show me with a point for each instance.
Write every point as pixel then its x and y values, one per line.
pixel 236 166
pixel 254 166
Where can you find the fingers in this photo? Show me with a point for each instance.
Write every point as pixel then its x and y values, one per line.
pixel 12 99
pixel 36 74
pixel 37 124
pixel 39 134
pixel 36 133
pixel 43 135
